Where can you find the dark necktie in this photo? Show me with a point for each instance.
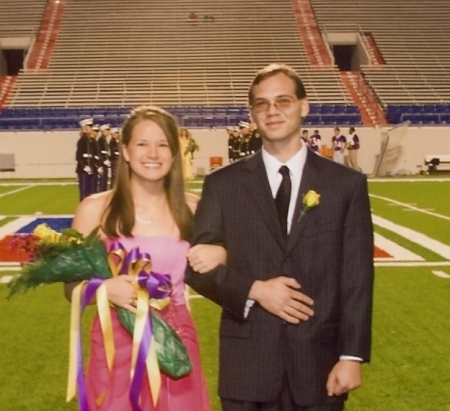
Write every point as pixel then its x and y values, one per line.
pixel 283 198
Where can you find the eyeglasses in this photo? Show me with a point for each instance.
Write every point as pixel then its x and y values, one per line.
pixel 280 103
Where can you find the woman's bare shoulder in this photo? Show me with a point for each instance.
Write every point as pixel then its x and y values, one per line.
pixel 89 212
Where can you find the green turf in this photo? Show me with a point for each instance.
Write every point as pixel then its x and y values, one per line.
pixel 34 340
pixel 430 196
pixel 9 189
pixel 423 252
pixel 410 368
pixel 47 199
pixel 411 363
pixel 6 220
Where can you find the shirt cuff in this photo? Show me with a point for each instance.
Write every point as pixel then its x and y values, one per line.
pixel 248 304
pixel 351 358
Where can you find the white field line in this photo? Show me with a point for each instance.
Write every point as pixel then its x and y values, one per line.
pixel 15 225
pixel 411 207
pixel 23 220
pixel 16 190
pixel 67 183
pixel 412 264
pixel 397 252
pixel 6 279
pixel 407 180
pixel 436 246
pixel 440 274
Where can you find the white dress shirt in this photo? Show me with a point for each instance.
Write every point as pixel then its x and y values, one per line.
pixel 296 164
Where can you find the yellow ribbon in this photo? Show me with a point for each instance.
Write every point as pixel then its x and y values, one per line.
pixel 75 314
pixel 142 314
pixel 116 259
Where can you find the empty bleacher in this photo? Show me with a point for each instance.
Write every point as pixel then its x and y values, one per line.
pixel 122 54
pixel 20 18
pixel 414 40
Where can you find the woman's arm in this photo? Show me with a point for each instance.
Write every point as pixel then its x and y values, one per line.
pixel 205 257
pixel 121 290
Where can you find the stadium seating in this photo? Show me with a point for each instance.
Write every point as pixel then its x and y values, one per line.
pixel 110 56
pixel 51 118
pixel 414 41
pixel 20 18
pixel 154 55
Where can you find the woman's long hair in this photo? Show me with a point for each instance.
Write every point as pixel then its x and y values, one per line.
pixel 119 216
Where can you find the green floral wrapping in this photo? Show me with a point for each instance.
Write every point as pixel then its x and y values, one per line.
pixel 75 264
pixel 81 262
pixel 172 356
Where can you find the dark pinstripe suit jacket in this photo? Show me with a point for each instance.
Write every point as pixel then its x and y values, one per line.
pixel 329 252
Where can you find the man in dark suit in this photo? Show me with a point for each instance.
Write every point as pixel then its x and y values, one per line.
pixel 297 289
pixel 84 159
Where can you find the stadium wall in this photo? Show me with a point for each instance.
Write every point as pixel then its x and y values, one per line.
pixel 52 154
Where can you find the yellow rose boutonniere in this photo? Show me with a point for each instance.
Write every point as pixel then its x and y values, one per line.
pixel 310 200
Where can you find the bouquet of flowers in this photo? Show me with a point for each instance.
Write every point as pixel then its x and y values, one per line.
pixel 70 257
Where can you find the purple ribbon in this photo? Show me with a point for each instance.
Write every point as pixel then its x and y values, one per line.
pixel 158 286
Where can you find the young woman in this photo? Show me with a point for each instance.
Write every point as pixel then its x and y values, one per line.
pixel 147 208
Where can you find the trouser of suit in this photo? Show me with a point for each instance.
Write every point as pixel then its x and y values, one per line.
pixel 353 159
pixel 103 180
pixel 84 184
pixel 284 402
pixel 94 182
pixel 234 405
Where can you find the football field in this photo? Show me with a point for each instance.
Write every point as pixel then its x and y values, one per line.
pixel 410 368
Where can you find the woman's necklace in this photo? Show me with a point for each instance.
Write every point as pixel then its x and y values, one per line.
pixel 142 220
pixel 154 213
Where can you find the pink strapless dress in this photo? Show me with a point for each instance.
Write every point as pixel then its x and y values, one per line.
pixel 189 393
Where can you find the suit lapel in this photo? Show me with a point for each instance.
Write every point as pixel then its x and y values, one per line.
pixel 310 181
pixel 257 185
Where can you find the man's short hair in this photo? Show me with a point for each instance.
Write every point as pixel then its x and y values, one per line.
pixel 274 69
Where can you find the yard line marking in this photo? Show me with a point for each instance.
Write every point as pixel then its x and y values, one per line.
pixel 420 210
pixel 411 210
pixel 412 264
pixel 38 214
pixel 436 246
pixel 408 180
pixel 16 191
pixel 398 252
pixel 15 225
pixel 65 183
pixel 6 279
pixel 441 274
pixel 34 184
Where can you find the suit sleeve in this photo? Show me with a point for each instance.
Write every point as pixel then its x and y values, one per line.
pixel 223 285
pixel 357 276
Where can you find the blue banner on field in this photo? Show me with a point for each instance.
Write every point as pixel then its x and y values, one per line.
pixel 55 223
